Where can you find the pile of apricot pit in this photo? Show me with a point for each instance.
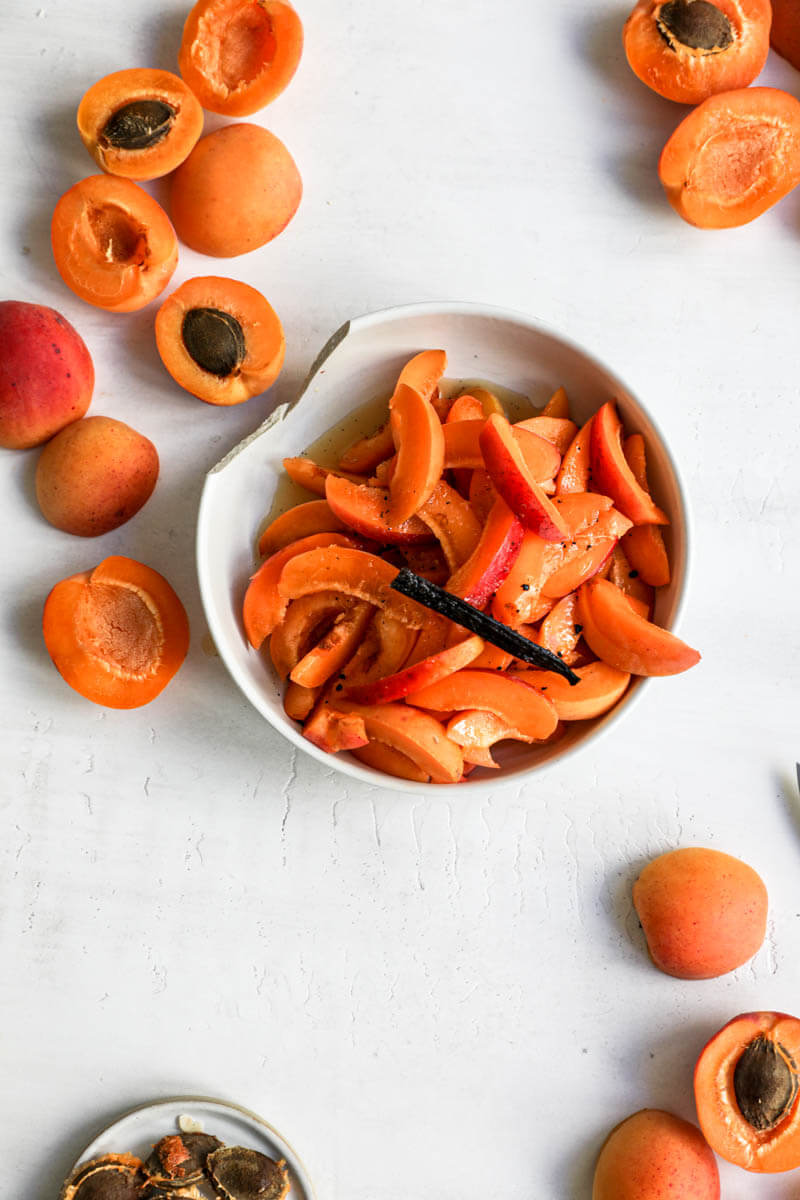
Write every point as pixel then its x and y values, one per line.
pixel 537 545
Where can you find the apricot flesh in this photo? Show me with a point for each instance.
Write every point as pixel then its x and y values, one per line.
pixel 704 913
pixel 654 1155
pixel 46 374
pixel 95 475
pixel 236 191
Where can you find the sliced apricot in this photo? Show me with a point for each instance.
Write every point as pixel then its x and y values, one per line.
pixel 236 191
pixel 113 243
pixel 302 626
pixel 368 511
pixel 264 605
pixel 559 431
pixel 298 701
pixel 517 599
pixel 340 568
pixel 220 339
pixel 419 442
pixel 580 556
pixel 746 1090
pixel 625 576
pixel 452 521
pixel 423 372
pixel 644 544
pixel 509 469
pixel 624 639
pixel 688 50
pixel 733 157
pixel 368 452
pixel 140 123
pixel 557 405
pixel 490 562
pixel 784 33
pixel 521 706
pixel 611 474
pixel 238 55
pixel 416 734
pixel 599 689
pixel 420 674
pixel 575 472
pixel 336 647
pixel 703 912
pixel 117 634
pixel 482 494
pixel 315 516
pixel 476 729
pixel 560 630
pixel 392 762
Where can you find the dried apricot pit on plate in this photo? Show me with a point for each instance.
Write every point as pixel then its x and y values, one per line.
pixel 237 55
pixel 117 634
pixel 746 1091
pixel 220 339
pixel 703 912
pixel 140 123
pixel 733 157
pixel 113 243
pixel 95 475
pixel 654 1155
pixel 111 1177
pixel 688 50
pixel 179 1160
pixel 46 374
pixel 236 191
pixel 241 1174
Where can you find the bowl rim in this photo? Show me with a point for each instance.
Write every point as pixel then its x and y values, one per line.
pixel 386 316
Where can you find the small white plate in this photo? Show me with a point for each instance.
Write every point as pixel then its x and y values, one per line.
pixel 136 1132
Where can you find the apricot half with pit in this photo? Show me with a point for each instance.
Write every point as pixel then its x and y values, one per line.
pixel 46 374
pixel 220 339
pixel 703 912
pixel 140 123
pixel 654 1155
pixel 117 634
pixel 236 191
pixel 746 1086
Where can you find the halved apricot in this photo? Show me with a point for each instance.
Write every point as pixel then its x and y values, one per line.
pixel 117 634
pixel 220 339
pixel 238 55
pixel 140 123
pixel 236 191
pixel 746 1091
pixel 733 157
pixel 113 243
pixel 688 50
pixel 703 912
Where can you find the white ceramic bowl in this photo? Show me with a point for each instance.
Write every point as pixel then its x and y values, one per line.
pixel 359 362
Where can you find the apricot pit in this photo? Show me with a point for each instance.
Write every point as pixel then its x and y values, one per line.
pixel 220 339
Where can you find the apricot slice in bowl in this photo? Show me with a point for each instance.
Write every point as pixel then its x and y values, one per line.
pixel 140 123
pixel 236 191
pixel 113 243
pixel 220 339
pixel 117 634
pixel 238 55
pixel 733 157
pixel 703 912
pixel 688 50
pixel 746 1091
pixel 654 1155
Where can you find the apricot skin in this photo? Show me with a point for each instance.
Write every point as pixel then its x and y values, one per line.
pixel 236 191
pixel 46 374
pixel 655 1156
pixel 703 912
pixel 95 475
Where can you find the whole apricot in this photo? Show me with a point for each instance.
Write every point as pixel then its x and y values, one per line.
pixel 46 374
pixel 654 1155
pixel 236 191
pixel 703 912
pixel 95 475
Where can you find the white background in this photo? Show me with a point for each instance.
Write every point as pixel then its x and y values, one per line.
pixel 447 998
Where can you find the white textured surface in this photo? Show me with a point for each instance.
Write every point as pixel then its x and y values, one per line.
pixel 442 998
